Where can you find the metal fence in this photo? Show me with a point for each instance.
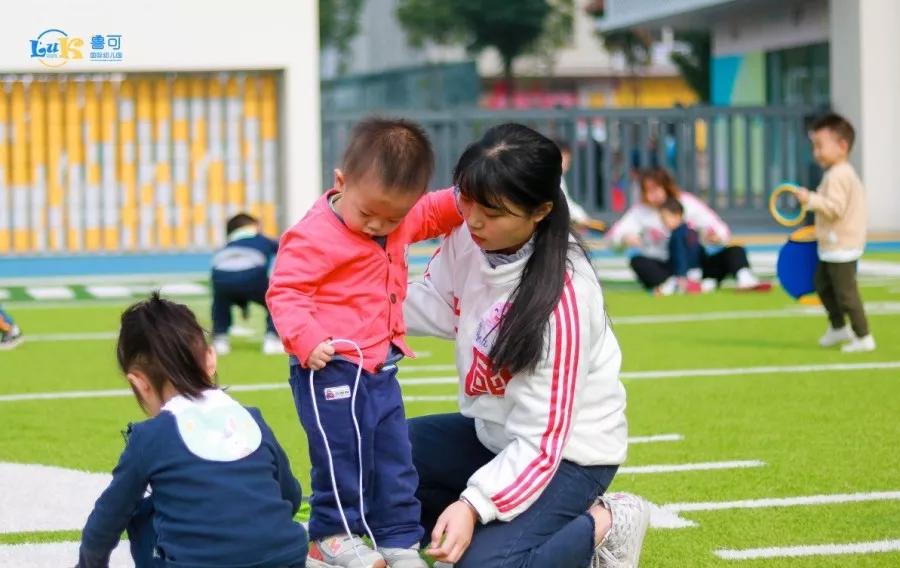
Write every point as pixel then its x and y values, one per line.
pixel 730 156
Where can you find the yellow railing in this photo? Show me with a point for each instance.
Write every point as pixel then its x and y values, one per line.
pixel 92 163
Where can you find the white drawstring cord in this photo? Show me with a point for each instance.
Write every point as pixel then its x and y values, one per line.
pixel 315 406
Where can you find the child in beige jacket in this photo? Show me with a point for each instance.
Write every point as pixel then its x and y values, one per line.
pixel 840 207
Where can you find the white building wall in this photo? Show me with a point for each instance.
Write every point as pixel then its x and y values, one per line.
pixel 865 86
pixel 790 24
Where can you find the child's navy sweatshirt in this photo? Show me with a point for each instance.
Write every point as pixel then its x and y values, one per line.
pixel 222 491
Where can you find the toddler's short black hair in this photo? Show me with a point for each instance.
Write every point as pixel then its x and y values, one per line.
pixel 672 205
pixel 397 151
pixel 837 124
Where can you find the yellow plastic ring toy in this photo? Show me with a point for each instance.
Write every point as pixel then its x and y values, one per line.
pixel 781 217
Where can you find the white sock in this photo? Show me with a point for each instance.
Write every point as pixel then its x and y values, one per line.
pixel 746 279
pixel 694 274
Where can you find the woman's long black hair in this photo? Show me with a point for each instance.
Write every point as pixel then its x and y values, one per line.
pixel 165 342
pixel 514 163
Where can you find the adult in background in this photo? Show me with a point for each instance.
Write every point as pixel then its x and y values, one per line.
pixel 580 218
pixel 642 227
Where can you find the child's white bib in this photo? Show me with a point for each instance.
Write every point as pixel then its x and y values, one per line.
pixel 215 427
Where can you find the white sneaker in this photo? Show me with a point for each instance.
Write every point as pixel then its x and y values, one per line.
pixel 272 345
pixel 859 345
pixel 11 339
pixel 834 336
pixel 221 345
pixel 667 288
pixel 342 552
pixel 622 546
pixel 746 279
pixel 708 285
pixel 241 331
pixel 403 557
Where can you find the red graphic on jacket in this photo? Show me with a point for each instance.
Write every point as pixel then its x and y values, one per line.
pixel 482 377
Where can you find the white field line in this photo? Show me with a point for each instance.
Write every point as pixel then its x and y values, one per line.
pixel 64 395
pixel 83 336
pixel 662 518
pixel 875 308
pixel 830 367
pixel 655 438
pixel 196 303
pixel 410 367
pixel 629 375
pixel 786 501
pixel 108 291
pixel 46 498
pixel 668 516
pixel 108 335
pixel 871 547
pixel 452 380
pixel 702 466
pixel 50 292
pixel 285 386
pixel 56 554
pixel 876 281
pixel 117 393
pixel 180 289
pixel 429 381
pixel 430 398
pixel 84 279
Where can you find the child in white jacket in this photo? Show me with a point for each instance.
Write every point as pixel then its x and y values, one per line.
pixel 541 429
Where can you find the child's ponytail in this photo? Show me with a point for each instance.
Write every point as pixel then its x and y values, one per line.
pixel 165 342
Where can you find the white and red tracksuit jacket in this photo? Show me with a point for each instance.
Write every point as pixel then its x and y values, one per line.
pixel 571 407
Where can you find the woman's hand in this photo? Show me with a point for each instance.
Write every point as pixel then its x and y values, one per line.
pixel 453 532
pixel 803 195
